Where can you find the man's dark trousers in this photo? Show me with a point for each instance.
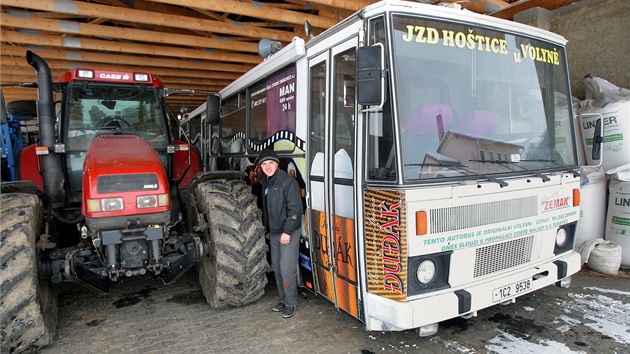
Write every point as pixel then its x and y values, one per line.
pixel 284 260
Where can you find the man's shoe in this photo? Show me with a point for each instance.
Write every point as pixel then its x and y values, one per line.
pixel 288 312
pixel 278 308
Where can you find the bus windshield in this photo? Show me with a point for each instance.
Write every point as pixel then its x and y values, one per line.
pixel 100 109
pixel 475 101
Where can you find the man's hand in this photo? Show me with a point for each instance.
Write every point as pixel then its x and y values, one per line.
pixel 285 238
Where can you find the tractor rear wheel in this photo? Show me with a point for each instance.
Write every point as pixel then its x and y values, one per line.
pixel 28 311
pixel 22 108
pixel 233 273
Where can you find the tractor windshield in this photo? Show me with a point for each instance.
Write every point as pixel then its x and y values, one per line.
pixel 474 101
pixel 99 109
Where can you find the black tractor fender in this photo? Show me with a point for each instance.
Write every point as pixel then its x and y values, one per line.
pixel 25 187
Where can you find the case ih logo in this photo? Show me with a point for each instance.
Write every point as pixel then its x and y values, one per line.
pixel 114 76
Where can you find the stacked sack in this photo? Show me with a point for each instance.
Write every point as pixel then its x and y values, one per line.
pixel 599 218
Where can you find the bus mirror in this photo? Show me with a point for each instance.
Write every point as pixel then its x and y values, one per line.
pixel 370 81
pixel 598 139
pixel 212 110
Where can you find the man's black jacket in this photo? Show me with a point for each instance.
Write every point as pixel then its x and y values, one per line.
pixel 282 203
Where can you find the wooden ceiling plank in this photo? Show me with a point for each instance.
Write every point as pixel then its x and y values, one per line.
pixel 254 9
pixel 9 63
pixel 127 59
pixel 509 11
pixel 151 7
pixel 125 33
pixel 77 43
pixel 352 5
pixel 481 6
pixel 149 18
pixel 25 71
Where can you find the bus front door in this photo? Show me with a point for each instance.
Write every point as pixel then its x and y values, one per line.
pixel 332 154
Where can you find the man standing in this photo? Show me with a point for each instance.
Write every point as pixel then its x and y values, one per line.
pixel 282 210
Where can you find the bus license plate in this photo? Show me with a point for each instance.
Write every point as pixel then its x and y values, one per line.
pixel 505 292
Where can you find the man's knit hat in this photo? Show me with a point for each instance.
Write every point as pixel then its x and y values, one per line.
pixel 268 155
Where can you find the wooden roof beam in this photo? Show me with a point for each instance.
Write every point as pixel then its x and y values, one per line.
pixel 79 43
pixel 149 18
pixel 19 19
pixel 256 10
pixel 352 5
pixel 481 6
pixel 512 9
pixel 16 63
pixel 141 61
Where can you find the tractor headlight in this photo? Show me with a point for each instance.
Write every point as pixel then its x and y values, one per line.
pixel 426 271
pixel 163 200
pixel 152 201
pixel 112 204
pixel 93 205
pixel 146 201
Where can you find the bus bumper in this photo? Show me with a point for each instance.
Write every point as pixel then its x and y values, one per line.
pixel 384 314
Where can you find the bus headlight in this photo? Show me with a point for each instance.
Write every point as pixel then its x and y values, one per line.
pixel 561 237
pixel 426 271
pixel 565 238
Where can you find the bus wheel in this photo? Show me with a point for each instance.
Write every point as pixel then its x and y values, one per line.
pixel 28 314
pixel 233 273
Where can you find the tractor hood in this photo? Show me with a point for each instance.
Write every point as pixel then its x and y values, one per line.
pixel 123 176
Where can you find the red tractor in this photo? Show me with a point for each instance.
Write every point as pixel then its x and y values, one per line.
pixel 109 192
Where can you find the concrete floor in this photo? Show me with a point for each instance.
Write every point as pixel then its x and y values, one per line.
pixel 144 316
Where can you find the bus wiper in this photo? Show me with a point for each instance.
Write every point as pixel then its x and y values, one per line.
pixel 500 182
pixel 538 174
pixel 500 162
pixel 540 160
pixel 435 164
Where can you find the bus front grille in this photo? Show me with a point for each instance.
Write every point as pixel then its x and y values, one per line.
pixel 467 216
pixel 504 255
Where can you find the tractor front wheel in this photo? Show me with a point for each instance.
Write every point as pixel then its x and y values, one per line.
pixel 233 273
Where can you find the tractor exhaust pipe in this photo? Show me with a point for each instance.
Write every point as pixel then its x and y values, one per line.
pixel 52 171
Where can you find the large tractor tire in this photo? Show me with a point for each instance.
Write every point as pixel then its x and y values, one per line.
pixel 233 273
pixel 28 306
pixel 22 108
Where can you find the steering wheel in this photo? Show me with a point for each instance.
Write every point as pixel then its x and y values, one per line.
pixel 114 122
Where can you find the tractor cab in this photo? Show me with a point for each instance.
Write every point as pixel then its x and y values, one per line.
pixel 94 103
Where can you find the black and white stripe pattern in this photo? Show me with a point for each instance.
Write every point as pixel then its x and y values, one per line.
pixel 279 135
